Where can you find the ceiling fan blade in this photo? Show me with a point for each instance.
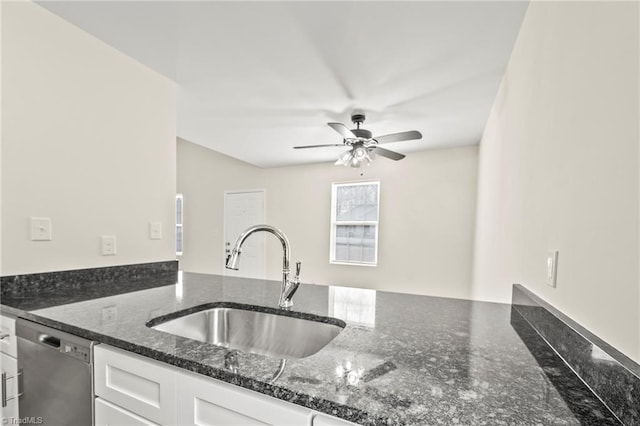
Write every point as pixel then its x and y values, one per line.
pixel 397 137
pixel 388 154
pixel 342 129
pixel 318 146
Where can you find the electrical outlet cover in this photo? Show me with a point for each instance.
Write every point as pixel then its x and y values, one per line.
pixel 108 245
pixel 40 229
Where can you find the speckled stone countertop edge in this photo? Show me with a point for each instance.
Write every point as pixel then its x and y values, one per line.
pixel 560 375
pixel 103 275
pixel 613 377
pixel 64 287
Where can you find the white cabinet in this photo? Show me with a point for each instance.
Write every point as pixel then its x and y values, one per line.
pixel 9 367
pixel 322 420
pixel 108 414
pixel 136 383
pixel 135 390
pixel 8 342
pixel 205 401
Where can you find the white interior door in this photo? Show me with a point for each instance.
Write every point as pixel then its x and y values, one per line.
pixel 241 210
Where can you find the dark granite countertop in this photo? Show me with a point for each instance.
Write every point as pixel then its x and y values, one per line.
pixel 401 360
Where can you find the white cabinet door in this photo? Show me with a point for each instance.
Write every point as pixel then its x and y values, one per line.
pixel 8 343
pixel 9 366
pixel 135 383
pixel 323 420
pixel 203 401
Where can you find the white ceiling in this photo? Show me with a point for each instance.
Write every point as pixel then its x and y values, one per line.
pixel 257 78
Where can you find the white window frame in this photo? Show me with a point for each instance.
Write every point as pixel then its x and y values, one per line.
pixel 335 223
pixel 179 198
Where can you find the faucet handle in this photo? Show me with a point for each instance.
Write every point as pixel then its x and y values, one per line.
pixel 298 266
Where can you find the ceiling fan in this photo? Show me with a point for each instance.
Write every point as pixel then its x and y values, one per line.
pixel 364 146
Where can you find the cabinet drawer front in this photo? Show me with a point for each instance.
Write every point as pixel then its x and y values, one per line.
pixel 108 414
pixel 8 343
pixel 206 401
pixel 135 383
pixel 206 413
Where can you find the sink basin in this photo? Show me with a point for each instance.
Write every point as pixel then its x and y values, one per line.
pixel 270 332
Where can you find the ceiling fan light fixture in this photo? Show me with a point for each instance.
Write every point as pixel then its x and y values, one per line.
pixel 360 156
pixel 369 157
pixel 360 153
pixel 344 159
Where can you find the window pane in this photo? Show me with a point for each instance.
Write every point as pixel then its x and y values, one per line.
pixel 355 243
pixel 179 210
pixel 357 202
pixel 179 233
pixel 179 239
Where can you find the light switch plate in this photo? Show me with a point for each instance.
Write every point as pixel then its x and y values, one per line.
pixel 552 267
pixel 155 230
pixel 40 229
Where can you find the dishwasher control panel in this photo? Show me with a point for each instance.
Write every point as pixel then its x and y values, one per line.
pixel 75 351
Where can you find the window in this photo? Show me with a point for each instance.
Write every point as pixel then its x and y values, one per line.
pixel 179 234
pixel 354 223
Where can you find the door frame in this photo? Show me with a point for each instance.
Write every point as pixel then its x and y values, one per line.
pixel 224 223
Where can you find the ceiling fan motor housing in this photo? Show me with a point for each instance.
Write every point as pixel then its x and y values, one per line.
pixel 358 119
pixel 362 133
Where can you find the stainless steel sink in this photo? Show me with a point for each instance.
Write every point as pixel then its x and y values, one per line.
pixel 274 333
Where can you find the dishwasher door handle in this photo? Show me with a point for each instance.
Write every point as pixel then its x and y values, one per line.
pixel 49 340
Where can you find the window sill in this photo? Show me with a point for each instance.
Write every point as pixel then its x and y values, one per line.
pixel 336 262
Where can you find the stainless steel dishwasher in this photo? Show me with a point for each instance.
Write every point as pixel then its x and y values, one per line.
pixel 56 375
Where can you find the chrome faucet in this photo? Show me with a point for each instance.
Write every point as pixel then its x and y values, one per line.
pixel 289 287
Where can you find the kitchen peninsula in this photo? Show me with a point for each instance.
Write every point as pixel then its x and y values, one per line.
pixel 401 359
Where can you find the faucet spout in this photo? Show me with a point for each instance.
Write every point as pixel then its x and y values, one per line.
pixel 287 294
pixel 289 287
pixel 233 259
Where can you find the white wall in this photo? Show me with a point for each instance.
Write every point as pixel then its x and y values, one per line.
pixel 426 217
pixel 203 176
pixel 559 164
pixel 88 140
